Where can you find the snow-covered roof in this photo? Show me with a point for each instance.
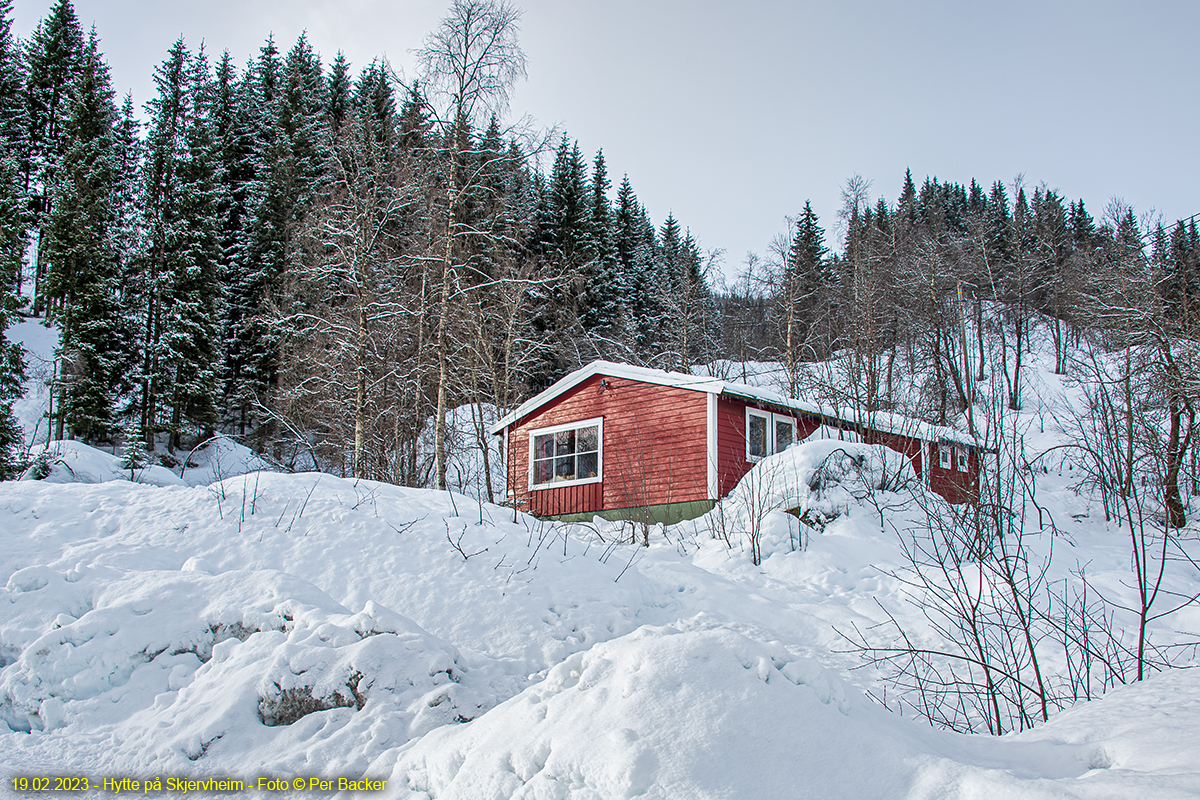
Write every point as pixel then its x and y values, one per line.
pixel 880 421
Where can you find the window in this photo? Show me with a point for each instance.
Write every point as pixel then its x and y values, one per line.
pixel 944 453
pixel 756 435
pixel 964 459
pixel 785 433
pixel 767 433
pixel 566 454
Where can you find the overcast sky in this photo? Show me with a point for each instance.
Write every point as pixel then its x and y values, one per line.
pixel 732 114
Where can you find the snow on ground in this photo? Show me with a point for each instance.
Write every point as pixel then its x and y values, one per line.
pixel 251 623
pixel 305 624
pixel 70 461
pixel 38 342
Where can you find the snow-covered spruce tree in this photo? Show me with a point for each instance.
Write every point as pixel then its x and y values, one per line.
pixel 13 222
pixel 627 245
pixel 14 129
pixel 802 293
pixel 234 171
pixel 688 310
pixel 565 245
pixel 181 298
pixel 12 366
pixel 287 108
pixel 134 455
pixel 637 252
pixel 608 291
pixel 666 279
pixel 128 237
pixel 54 57
pixel 244 131
pixel 82 263
pixel 337 94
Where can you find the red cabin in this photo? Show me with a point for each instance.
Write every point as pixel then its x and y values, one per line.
pixel 620 441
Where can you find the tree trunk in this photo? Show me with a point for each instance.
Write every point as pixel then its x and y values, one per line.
pixel 439 432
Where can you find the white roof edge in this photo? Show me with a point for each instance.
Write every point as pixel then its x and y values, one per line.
pixel 883 421
pixel 613 370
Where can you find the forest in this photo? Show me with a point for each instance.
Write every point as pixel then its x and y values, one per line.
pixel 325 261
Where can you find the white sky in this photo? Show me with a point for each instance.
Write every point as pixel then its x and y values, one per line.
pixel 732 114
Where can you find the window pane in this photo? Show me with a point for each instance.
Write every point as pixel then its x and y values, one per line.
pixel 944 456
pixel 567 455
pixel 587 440
pixel 783 436
pixel 756 433
pixel 589 465
pixel 564 468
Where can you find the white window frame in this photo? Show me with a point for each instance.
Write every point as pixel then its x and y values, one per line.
pixel 597 422
pixel 766 417
pixel 772 418
pixel 775 420
pixel 945 455
pixel 962 458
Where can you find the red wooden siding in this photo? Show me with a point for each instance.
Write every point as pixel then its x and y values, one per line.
pixel 654 448
pixel 732 464
pixel 901 444
pixel 955 486
pixel 566 499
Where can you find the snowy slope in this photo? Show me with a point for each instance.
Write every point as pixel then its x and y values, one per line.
pixel 74 462
pixel 244 623
pixel 155 630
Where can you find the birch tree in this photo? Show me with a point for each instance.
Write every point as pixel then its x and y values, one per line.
pixel 470 64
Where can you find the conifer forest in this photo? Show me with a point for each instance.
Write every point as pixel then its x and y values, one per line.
pixel 325 261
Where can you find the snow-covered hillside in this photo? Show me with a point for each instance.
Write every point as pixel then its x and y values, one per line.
pixel 229 622
pixel 308 625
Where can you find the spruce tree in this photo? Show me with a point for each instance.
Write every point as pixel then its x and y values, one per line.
pixel 13 124
pixel 254 247
pixel 906 206
pixel 12 365
pixel 607 289
pixel 413 124
pixel 179 383
pixel 636 244
pixel 54 57
pixel 13 237
pixel 83 268
pixel 565 221
pixel 338 92
pixel 625 228
pixel 375 102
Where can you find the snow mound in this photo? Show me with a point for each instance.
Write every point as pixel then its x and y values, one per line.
pixel 242 628
pixel 688 710
pixel 219 458
pixel 228 664
pixel 817 480
pixel 67 461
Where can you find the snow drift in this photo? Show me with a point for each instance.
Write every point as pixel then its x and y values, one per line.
pixel 305 624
